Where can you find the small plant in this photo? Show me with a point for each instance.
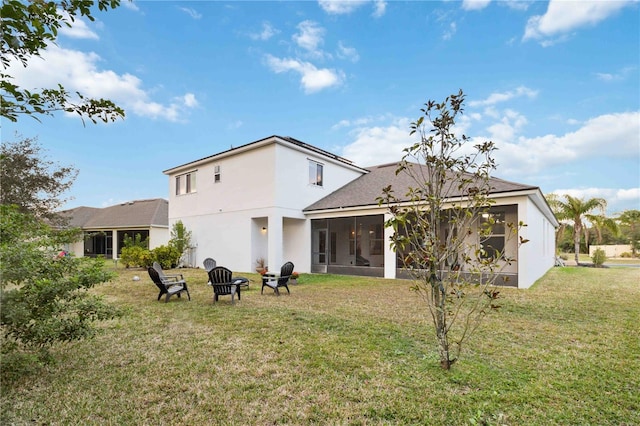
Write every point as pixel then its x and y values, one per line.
pixel 625 254
pixel 294 275
pixel 598 257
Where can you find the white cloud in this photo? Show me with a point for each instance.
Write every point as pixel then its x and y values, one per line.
pixel 359 122
pixel 565 16
pixel 191 12
pixel 78 29
pixel 312 79
pixel 345 7
pixel 380 8
pixel 130 5
pixel 79 71
pixel 450 32
pixel 349 53
pixel 310 37
pixel 475 4
pixel 379 145
pixel 190 100
pixel 619 130
pixel 620 75
pixel 507 128
pixel 267 32
pixel 337 7
pixel 495 98
pixel 517 4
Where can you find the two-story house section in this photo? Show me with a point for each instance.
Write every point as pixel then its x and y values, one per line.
pixel 281 199
pixel 247 203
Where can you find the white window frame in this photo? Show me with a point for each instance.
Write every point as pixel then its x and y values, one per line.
pixel 186 183
pixel 316 173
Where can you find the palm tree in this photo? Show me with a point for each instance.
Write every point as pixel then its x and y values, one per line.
pixel 575 209
pixel 600 222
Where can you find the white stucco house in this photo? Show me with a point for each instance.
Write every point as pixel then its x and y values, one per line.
pixel 281 199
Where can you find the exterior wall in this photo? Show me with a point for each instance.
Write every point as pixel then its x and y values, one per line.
pixel 158 236
pixel 76 248
pixel 263 187
pixel 536 256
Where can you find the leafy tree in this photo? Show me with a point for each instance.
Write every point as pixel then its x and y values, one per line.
pixel 28 27
pixel 575 209
pixel 43 291
pixel 180 238
pixel 631 220
pixel 443 224
pixel 31 182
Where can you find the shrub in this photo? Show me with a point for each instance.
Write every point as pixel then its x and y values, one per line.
pixel 598 258
pixel 626 254
pixel 166 256
pixel 136 256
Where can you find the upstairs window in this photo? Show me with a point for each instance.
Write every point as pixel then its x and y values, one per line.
pixel 216 174
pixel 315 173
pixel 186 183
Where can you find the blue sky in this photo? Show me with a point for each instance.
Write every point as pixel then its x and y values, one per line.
pixel 556 85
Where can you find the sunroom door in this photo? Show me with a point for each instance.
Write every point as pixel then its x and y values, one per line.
pixel 319 252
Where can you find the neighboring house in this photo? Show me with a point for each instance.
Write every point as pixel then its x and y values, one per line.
pixel 104 229
pixel 284 200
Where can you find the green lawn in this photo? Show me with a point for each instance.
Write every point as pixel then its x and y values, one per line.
pixel 345 350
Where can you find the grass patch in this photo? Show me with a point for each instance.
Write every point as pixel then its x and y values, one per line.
pixel 344 350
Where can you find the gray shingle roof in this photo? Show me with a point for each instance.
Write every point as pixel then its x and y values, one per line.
pixel 364 190
pixel 134 214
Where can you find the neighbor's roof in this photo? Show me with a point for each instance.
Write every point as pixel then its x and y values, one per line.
pixel 132 214
pixel 364 190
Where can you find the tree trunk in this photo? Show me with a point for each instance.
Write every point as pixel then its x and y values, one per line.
pixel 439 299
pixel 576 241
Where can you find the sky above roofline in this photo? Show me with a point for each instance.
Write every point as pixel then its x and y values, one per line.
pixel 554 84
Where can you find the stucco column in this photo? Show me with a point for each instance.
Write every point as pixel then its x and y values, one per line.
pixel 389 255
pixel 274 243
pixel 114 244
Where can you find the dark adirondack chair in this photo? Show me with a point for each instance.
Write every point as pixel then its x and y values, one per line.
pixel 168 286
pixel 276 281
pixel 223 284
pixel 209 264
pixel 175 277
